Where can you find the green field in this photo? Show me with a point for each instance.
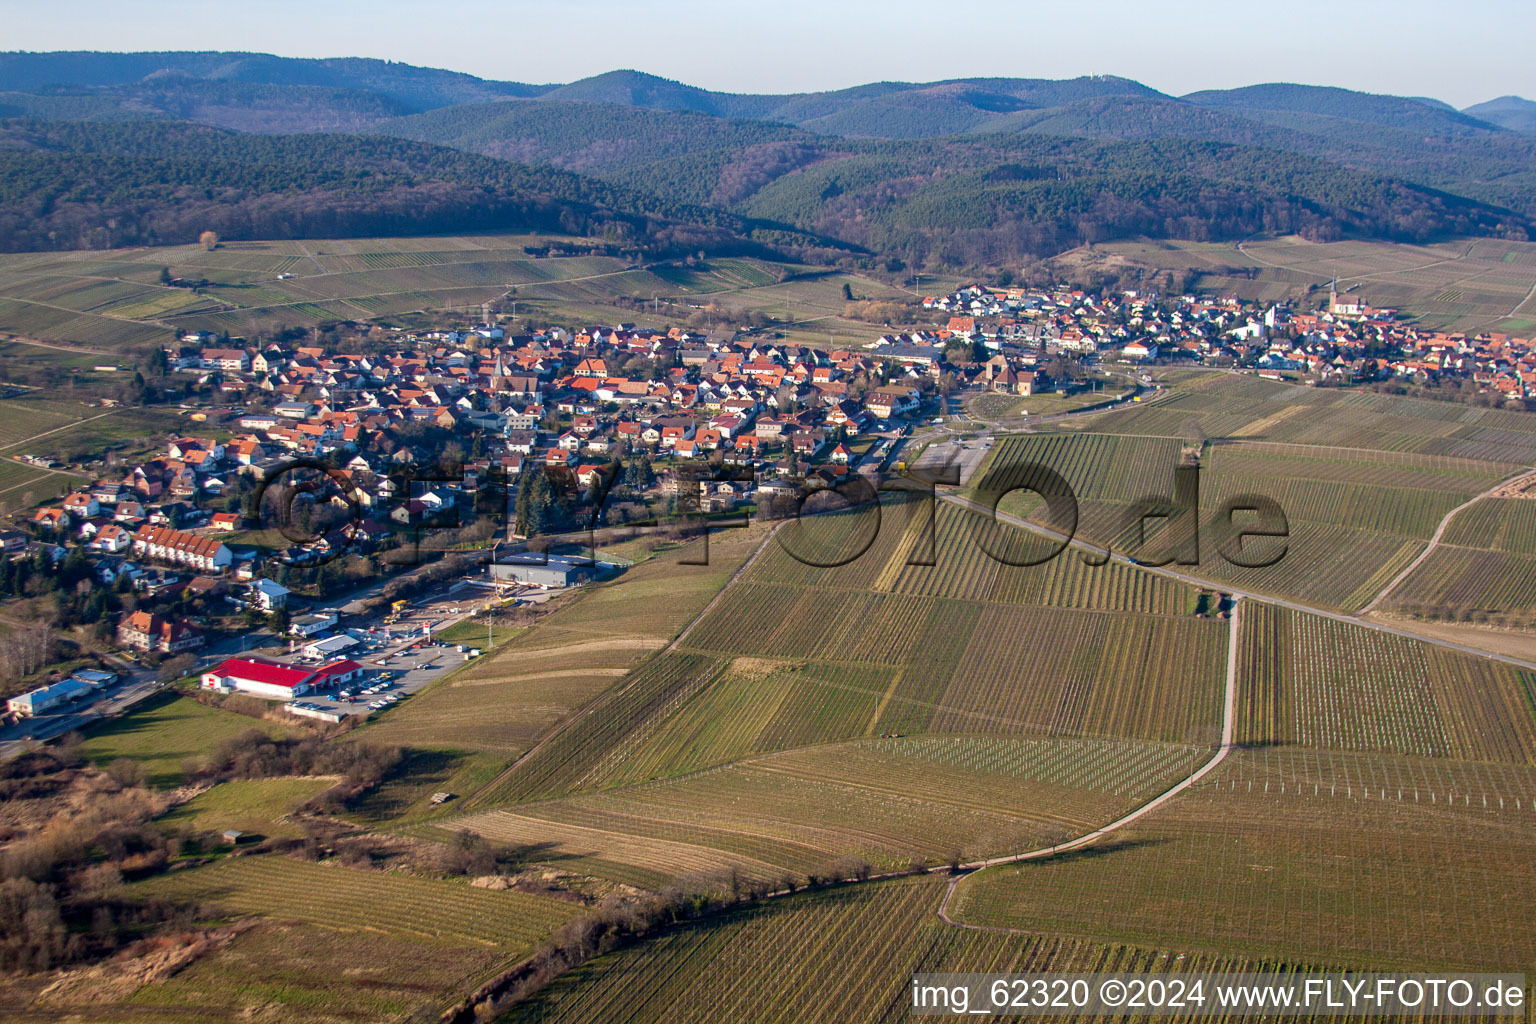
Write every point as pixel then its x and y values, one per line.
pixel 165 732
pixel 1294 854
pixel 1457 285
pixel 891 801
pixel 1334 686
pixel 255 806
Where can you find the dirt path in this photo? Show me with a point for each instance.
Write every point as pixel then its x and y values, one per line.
pixel 55 430
pixel 1405 630
pixel 1358 277
pixel 1228 741
pixel 608 696
pixel 1434 539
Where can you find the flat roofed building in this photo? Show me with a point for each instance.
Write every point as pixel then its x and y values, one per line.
pixel 556 572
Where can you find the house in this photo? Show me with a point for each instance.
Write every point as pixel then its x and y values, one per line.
pixel 840 455
pixel 1140 350
pixel 82 505
pixel 227 360
pixel 52 520
pixel 111 539
pixel 269 596
pixel 145 632
pixel 887 402
pixel 202 553
pixel 225 522
pixel 310 625
pixel 276 680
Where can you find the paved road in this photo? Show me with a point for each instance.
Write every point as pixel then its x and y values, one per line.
pixel 130 689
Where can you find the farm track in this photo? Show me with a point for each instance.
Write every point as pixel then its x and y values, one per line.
pixel 55 430
pixel 1358 277
pixel 608 696
pixel 1228 735
pixel 1434 540
pixel 1237 592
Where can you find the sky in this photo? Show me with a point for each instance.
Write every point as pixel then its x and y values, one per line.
pixel 1463 53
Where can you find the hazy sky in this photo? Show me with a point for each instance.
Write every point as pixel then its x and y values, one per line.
pixel 1461 52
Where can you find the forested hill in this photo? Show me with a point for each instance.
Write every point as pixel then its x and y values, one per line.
pixel 116 149
pixel 67 185
pixel 963 199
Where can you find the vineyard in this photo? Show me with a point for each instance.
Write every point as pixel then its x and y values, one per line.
pixel 1319 683
pixel 1355 518
pixel 1098 467
pixel 854 952
pixel 889 800
pixel 1467 584
pixel 1239 406
pixel 598 739
pixel 1483 569
pixel 422 909
pixel 758 706
pixel 1291 859
pixel 963 546
pixel 21 418
pixel 501 704
pixel 974 667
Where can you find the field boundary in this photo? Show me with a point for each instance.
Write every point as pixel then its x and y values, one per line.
pixel 1228 736
pixel 1434 540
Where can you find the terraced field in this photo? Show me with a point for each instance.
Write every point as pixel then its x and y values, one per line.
pixel 1329 685
pixel 424 910
pixel 1484 568
pixel 1355 518
pixel 1293 854
pixel 888 800
pixel 855 951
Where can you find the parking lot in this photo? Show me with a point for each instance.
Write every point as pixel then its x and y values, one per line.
pixel 390 674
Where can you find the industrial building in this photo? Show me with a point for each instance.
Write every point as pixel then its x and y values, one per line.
pixel 275 680
pixel 556 572
pixel 46 698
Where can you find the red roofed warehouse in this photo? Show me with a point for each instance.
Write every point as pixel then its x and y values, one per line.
pixel 273 679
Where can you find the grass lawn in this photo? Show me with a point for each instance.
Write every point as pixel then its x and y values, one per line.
pixel 166 731
pixel 250 805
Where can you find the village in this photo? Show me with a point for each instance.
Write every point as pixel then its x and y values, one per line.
pixel 645 424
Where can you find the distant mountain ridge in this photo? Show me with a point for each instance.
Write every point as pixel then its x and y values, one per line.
pixel 1513 112
pixel 974 171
